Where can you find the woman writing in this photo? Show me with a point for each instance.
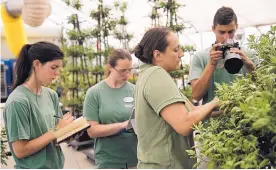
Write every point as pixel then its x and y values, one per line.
pixel 108 106
pixel 30 109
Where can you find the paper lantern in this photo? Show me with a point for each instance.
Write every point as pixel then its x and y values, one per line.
pixel 34 12
pixel 14 7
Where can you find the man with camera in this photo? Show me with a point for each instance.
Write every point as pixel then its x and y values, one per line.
pixel 220 62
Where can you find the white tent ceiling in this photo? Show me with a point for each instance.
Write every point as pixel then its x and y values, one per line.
pixel 197 13
pixel 250 13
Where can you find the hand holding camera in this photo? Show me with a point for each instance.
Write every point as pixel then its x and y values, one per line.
pixel 231 54
pixel 247 62
pixel 215 55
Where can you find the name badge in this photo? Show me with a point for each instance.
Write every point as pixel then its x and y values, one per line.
pixel 129 102
pixel 128 99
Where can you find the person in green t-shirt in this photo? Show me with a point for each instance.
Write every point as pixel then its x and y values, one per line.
pixel 164 116
pixel 207 67
pixel 108 106
pixel 30 109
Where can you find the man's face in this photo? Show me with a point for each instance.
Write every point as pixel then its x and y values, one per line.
pixel 224 32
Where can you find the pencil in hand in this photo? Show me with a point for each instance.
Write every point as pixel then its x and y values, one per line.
pixel 57 117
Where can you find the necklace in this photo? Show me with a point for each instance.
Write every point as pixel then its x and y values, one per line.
pixel 29 87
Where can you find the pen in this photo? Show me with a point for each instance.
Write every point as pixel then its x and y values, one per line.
pixel 58 117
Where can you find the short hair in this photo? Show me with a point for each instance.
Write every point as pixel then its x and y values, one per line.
pixel 224 16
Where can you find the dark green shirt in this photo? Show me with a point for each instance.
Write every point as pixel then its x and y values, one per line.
pixel 28 116
pixel 107 105
pixel 159 145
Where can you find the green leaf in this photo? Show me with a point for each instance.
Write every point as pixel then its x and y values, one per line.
pixel 260 123
pixel 211 165
pixel 196 165
pixel 191 152
pixel 263 163
pixel 245 137
pixel 273 140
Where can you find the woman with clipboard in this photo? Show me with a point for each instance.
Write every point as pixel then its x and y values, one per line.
pixel 107 107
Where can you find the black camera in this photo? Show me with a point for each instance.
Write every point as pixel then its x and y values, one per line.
pixel 232 61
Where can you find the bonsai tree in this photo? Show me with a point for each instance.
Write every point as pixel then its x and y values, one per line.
pixel 120 31
pixel 4 153
pixel 76 75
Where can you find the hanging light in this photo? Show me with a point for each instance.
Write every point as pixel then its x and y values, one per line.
pixel 14 7
pixel 34 12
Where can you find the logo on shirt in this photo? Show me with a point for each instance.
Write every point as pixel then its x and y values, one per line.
pixel 128 101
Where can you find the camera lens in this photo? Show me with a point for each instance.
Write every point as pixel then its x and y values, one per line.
pixel 233 62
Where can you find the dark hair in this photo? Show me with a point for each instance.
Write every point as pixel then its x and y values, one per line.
pixel 42 51
pixel 114 56
pixel 153 39
pixel 224 16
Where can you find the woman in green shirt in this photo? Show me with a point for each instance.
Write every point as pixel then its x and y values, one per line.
pixel 30 109
pixel 164 116
pixel 108 106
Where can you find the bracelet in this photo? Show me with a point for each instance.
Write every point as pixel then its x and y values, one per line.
pixel 55 140
pixel 55 129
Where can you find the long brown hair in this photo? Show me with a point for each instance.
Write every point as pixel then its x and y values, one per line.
pixel 42 51
pixel 114 56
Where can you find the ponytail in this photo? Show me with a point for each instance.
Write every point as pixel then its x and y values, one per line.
pixel 42 51
pixel 22 67
pixel 106 72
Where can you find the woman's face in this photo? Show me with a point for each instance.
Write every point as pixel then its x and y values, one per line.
pixel 171 57
pixel 48 71
pixel 122 70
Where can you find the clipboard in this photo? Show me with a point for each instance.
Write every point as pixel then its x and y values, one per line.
pixel 131 121
pixel 131 127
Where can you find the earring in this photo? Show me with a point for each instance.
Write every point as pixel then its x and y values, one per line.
pixel 159 55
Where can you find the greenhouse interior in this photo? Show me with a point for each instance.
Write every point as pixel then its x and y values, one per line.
pixel 138 84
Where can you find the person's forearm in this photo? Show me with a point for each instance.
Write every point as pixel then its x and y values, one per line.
pixel 200 113
pixel 101 130
pixel 201 85
pixel 214 113
pixel 194 117
pixel 27 148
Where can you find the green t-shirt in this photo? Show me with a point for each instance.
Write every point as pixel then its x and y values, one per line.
pixel 220 75
pixel 107 105
pixel 28 116
pixel 159 145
